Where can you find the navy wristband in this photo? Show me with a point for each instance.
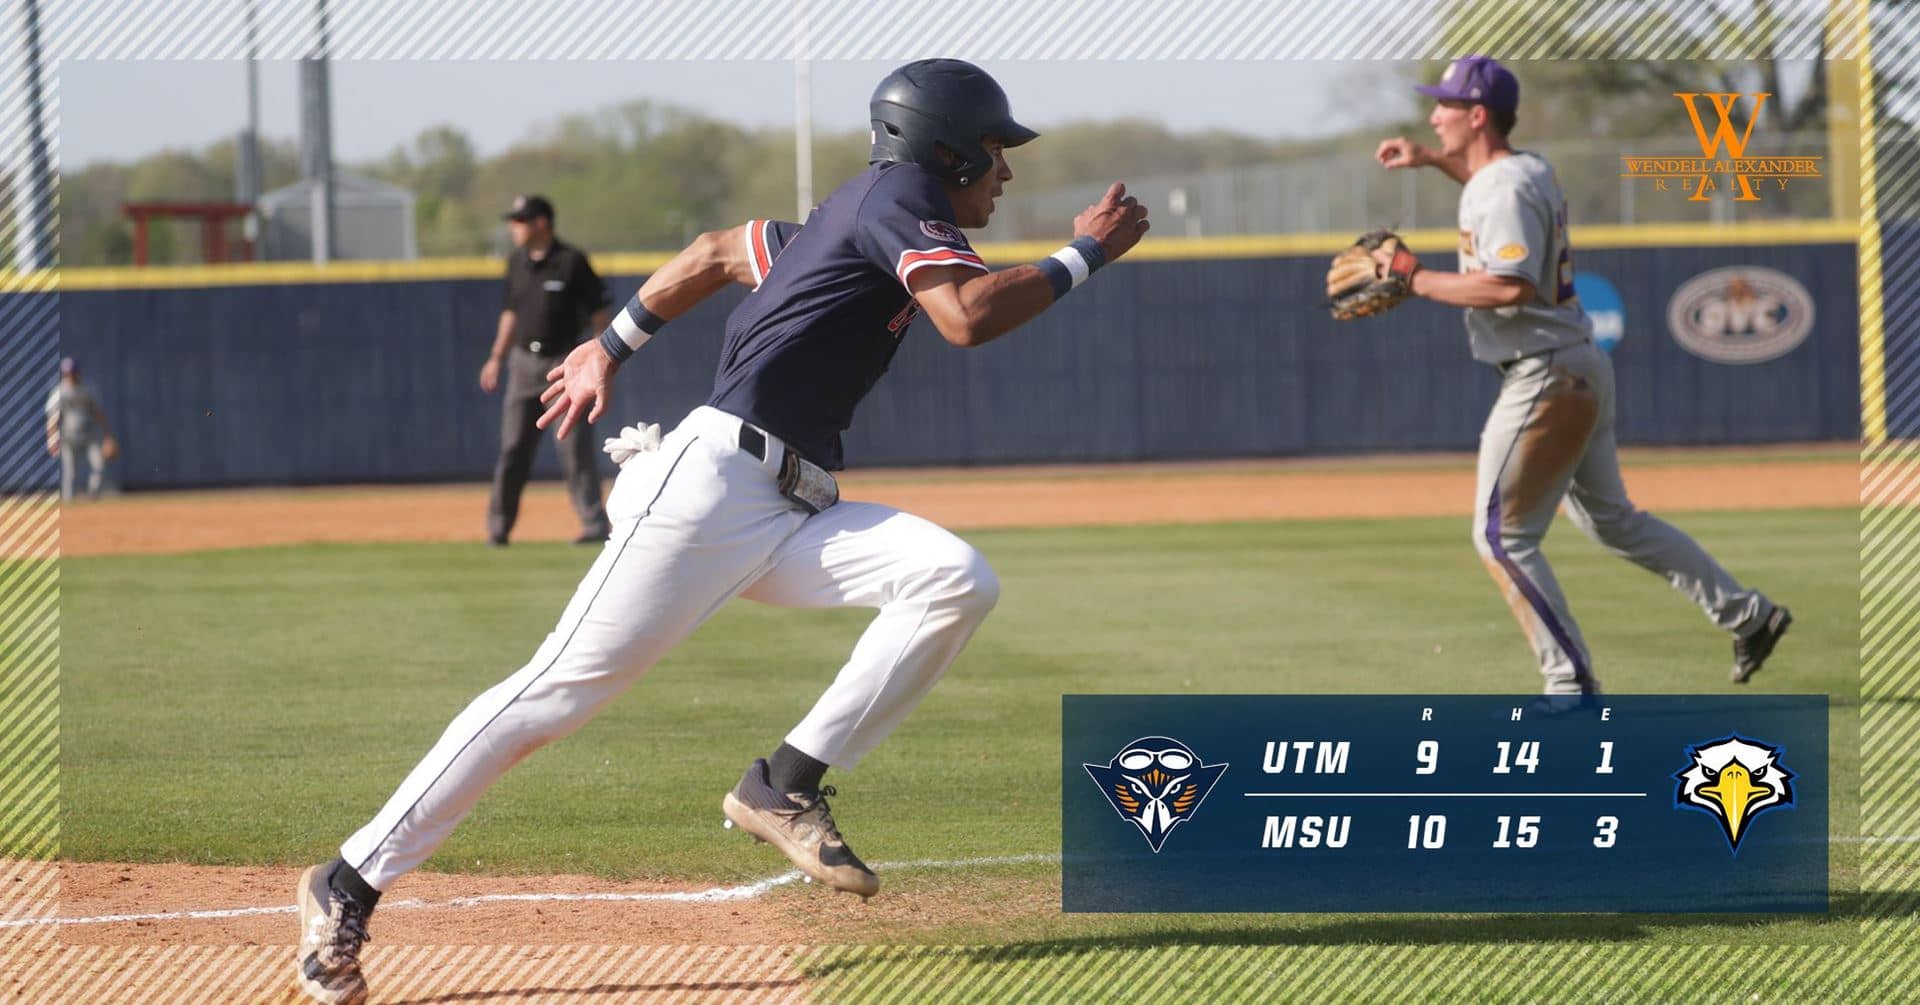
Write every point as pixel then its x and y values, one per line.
pixel 616 349
pixel 1057 274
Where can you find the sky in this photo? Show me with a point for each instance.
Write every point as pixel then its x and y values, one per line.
pixel 122 110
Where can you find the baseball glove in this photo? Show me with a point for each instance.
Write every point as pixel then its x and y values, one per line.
pixel 109 448
pixel 1370 277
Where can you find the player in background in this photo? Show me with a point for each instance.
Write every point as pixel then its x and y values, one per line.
pixel 1550 436
pixel 738 501
pixel 76 429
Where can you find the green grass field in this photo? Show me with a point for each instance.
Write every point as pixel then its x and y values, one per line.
pixel 256 706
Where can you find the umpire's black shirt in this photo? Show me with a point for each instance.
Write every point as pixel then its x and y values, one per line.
pixel 553 298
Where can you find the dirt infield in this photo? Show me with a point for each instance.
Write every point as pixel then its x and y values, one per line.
pixel 234 929
pixel 442 910
pixel 969 499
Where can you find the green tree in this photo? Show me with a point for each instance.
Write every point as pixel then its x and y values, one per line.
pixel 1597 85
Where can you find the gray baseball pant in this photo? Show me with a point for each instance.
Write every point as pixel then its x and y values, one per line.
pixel 1550 440
pixel 579 452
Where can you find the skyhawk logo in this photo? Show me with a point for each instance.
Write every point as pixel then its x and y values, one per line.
pixel 1156 783
pixel 1734 780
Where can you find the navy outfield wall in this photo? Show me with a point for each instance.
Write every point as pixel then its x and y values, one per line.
pixel 1900 307
pixel 310 383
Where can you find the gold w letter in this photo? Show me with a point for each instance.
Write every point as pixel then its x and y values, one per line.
pixel 1723 135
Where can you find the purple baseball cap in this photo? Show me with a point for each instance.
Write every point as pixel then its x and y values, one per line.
pixel 1479 79
pixel 67 365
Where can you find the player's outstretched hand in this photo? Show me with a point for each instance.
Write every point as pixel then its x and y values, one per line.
pixel 1400 152
pixel 581 388
pixel 1117 221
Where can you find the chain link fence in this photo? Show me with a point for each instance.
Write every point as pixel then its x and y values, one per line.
pixel 1346 191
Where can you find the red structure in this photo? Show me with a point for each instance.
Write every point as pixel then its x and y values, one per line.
pixel 213 217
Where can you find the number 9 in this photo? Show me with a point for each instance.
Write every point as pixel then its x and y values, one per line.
pixel 1428 754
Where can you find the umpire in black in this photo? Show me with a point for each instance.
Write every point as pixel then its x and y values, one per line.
pixel 553 298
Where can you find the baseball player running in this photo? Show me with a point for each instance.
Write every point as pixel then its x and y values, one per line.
pixel 1550 437
pixel 738 500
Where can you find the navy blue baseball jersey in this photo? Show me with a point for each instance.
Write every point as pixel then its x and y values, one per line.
pixel 812 339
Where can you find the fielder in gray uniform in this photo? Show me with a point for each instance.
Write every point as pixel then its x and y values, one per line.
pixel 1550 438
pixel 76 429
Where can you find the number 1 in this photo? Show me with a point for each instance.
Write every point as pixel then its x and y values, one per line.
pixel 1606 758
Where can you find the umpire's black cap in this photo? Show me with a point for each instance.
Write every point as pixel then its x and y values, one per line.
pixel 528 207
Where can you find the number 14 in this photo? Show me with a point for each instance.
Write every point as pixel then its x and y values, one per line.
pixel 1528 757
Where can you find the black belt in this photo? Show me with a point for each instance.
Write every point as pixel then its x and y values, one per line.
pixel 753 441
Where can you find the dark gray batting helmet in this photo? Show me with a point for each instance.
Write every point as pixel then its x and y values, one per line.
pixel 934 103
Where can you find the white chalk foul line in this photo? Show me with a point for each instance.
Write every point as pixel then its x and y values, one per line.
pixel 714 895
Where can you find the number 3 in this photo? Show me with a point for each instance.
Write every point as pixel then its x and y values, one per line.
pixel 1609 826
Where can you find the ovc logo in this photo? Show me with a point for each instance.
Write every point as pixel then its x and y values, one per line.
pixel 1741 314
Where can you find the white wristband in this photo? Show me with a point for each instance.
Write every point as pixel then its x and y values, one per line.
pixel 629 331
pixel 1075 262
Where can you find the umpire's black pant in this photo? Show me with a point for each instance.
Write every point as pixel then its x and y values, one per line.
pixel 579 458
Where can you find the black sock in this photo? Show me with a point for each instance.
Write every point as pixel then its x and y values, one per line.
pixel 346 882
pixel 789 770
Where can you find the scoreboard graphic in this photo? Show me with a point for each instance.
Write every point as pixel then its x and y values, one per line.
pixel 1257 803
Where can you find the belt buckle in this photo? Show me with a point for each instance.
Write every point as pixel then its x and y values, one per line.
pixel 807 483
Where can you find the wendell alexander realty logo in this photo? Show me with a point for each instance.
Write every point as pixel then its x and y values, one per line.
pixel 1714 170
pixel 1733 780
pixel 1155 783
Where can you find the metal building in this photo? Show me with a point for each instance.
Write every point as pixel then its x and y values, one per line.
pixel 372 220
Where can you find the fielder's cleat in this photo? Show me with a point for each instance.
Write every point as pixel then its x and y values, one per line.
pixel 1750 653
pixel 801 826
pixel 332 930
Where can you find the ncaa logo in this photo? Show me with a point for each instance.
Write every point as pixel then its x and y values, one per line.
pixel 1604 308
pixel 1742 314
pixel 1155 783
pixel 1734 779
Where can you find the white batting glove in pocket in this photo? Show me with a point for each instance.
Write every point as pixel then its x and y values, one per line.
pixel 632 442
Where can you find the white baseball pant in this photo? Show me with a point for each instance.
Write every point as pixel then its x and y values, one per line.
pixel 696 523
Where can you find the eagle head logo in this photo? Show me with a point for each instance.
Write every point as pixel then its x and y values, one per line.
pixel 1734 779
pixel 1155 783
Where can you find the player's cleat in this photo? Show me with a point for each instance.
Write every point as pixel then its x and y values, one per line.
pixel 1750 653
pixel 332 930
pixel 800 825
pixel 1562 706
